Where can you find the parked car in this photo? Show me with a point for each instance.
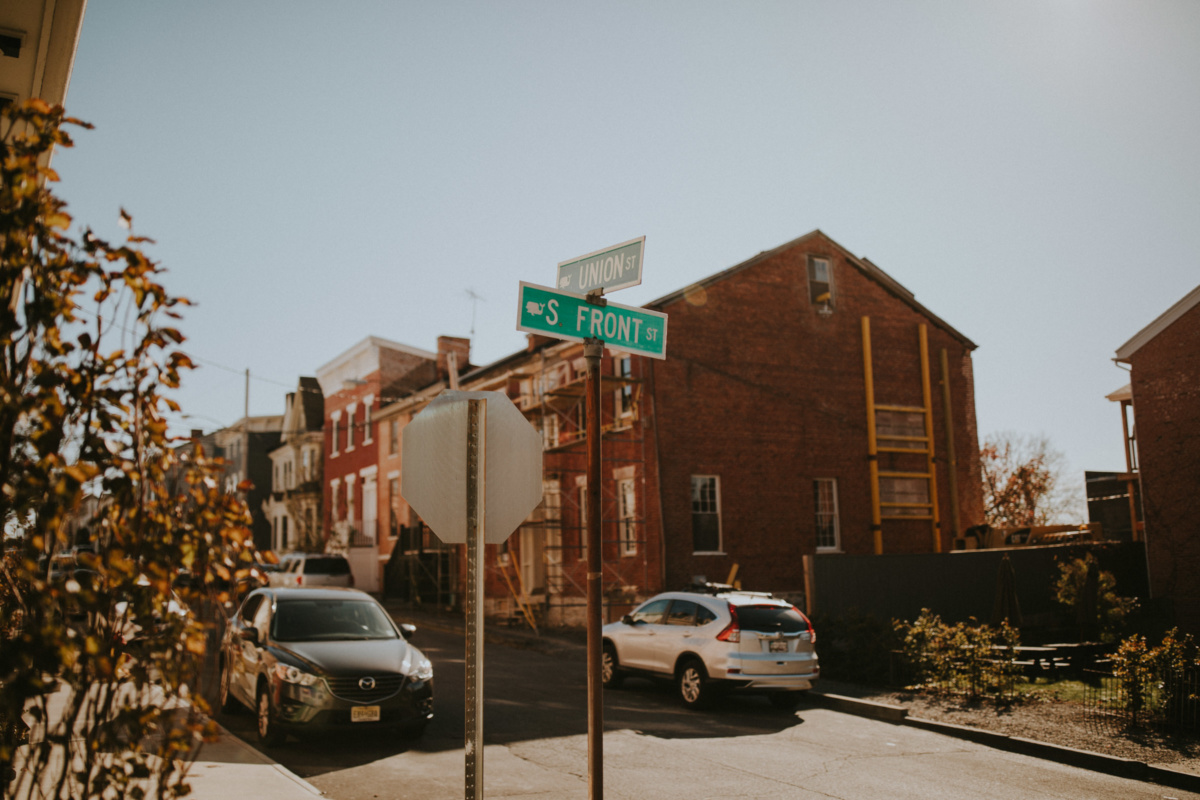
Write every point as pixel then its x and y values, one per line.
pixel 321 660
pixel 728 640
pixel 312 569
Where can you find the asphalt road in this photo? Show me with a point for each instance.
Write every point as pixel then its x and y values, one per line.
pixel 536 732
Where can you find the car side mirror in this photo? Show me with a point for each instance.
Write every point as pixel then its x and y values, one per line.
pixel 627 619
pixel 408 629
pixel 249 634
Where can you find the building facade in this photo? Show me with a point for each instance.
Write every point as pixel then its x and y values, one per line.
pixel 294 505
pixel 1164 364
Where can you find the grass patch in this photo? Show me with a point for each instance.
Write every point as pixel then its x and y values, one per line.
pixel 1066 691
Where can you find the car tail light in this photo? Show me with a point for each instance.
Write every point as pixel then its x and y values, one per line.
pixel 812 633
pixel 300 579
pixel 732 632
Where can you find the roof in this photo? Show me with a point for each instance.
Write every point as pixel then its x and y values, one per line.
pixel 864 265
pixel 312 400
pixel 1124 393
pixel 1164 321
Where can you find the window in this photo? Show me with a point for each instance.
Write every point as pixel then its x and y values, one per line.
pixel 393 504
pixel 820 282
pixel 583 515
pixel 333 499
pixel 651 613
pixel 901 429
pixel 283 532
pixel 334 419
pixel 368 434
pixel 904 497
pixel 706 514
pixel 350 428
pixel 683 612
pixel 306 464
pixel 393 436
pixel 626 514
pixel 623 397
pixel 550 430
pixel 825 496
pixel 350 501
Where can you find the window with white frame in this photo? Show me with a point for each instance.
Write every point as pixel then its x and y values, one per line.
pixel 368 434
pixel 350 428
pixel 334 419
pixel 334 485
pixel 626 517
pixel 706 514
pixel 393 436
pixel 829 535
pixel 306 465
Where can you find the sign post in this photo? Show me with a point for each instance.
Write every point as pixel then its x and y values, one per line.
pixel 568 313
pixel 473 471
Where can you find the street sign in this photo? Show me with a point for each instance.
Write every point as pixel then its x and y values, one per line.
pixel 434 454
pixel 612 268
pixel 566 315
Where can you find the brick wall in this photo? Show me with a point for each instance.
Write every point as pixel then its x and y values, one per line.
pixel 768 394
pixel 1166 400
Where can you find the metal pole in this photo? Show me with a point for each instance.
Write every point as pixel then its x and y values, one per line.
pixel 872 444
pixel 927 397
pixel 476 459
pixel 592 351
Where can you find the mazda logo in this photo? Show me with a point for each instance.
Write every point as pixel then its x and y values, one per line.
pixel 366 684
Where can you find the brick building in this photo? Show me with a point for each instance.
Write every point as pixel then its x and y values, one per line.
pixel 354 385
pixel 749 445
pixel 1164 362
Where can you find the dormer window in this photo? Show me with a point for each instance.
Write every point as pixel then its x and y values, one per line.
pixel 820 283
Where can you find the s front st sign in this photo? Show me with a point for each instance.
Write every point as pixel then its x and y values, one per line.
pixel 566 315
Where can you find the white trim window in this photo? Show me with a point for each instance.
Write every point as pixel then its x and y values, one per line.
pixel 828 526
pixel 627 517
pixel 706 514
pixel 334 485
pixel 350 409
pixel 368 434
pixel 334 419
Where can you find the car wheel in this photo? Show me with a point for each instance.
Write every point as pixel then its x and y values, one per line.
pixel 229 703
pixel 785 701
pixel 268 731
pixel 610 674
pixel 692 681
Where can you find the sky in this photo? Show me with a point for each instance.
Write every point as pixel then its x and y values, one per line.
pixel 314 173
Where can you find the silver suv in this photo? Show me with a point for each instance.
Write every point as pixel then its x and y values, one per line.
pixel 742 641
pixel 312 569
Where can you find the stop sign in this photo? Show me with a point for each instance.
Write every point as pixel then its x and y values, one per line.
pixel 434 459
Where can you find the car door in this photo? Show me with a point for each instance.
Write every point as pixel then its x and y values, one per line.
pixel 239 651
pixel 671 636
pixel 636 645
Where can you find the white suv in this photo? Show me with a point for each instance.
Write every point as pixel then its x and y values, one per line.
pixel 744 641
pixel 312 569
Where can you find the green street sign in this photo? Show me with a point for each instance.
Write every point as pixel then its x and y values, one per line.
pixel 609 269
pixel 566 315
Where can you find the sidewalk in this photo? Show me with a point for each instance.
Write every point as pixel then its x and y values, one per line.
pixel 230 769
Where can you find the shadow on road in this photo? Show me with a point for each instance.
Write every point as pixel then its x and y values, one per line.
pixel 528 696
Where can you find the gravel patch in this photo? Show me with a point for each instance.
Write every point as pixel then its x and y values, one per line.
pixel 1051 721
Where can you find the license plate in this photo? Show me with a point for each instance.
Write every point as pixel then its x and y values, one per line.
pixel 364 714
pixel 778 646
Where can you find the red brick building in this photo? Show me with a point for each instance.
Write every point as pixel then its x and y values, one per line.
pixel 762 419
pixel 749 445
pixel 1164 361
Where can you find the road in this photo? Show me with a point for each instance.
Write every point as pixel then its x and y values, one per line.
pixel 536 732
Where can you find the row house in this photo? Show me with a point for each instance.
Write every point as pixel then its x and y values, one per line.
pixel 354 385
pixel 294 505
pixel 1160 411
pixel 808 405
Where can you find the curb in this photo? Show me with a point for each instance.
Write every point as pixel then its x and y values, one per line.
pixel 1084 759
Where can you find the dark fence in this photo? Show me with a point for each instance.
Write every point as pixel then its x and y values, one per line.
pixel 1168 702
pixel 960 585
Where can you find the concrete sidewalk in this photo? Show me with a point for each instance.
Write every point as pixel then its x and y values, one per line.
pixel 230 769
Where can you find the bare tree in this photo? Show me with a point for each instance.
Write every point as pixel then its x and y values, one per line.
pixel 1026 482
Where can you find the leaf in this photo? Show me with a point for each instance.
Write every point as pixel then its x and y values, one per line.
pixel 124 220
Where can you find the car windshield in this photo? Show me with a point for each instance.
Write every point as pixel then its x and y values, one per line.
pixel 771 618
pixel 330 620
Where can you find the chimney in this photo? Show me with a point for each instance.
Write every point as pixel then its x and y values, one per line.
pixel 462 355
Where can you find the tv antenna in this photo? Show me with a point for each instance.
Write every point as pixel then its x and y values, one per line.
pixel 475 298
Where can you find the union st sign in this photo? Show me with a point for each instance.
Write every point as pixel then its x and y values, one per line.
pixel 612 268
pixel 566 315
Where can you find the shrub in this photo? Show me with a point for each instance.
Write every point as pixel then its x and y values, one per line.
pixel 960 658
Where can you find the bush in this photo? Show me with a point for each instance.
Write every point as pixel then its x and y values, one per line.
pixel 959 658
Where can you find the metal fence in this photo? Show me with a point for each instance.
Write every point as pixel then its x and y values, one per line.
pixel 1168 702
